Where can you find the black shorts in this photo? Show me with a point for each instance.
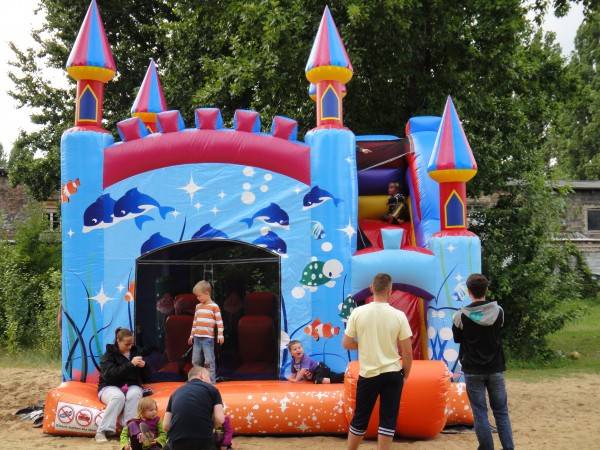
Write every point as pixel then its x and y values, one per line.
pixel 388 386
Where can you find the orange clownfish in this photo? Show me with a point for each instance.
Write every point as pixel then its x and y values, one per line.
pixel 68 189
pixel 130 294
pixel 321 330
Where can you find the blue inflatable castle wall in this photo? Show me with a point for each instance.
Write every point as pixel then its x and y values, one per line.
pixel 164 185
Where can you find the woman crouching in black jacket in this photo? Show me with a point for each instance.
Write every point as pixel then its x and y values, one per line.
pixel 122 372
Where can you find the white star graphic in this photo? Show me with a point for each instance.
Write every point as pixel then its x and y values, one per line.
pixel 197 205
pixel 191 188
pixel 175 213
pixel 283 404
pixel 349 230
pixel 120 287
pixel 451 248
pixel 222 195
pixel 297 190
pixel 70 233
pixel 101 297
pixel 215 210
pixel 458 278
pixel 349 160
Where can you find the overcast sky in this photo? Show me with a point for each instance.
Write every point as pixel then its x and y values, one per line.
pixel 17 21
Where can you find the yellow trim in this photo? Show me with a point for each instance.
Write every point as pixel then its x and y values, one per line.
pixel 339 101
pixel 413 238
pixel 91 73
pixel 329 73
pixel 146 116
pixel 78 109
pixel 452 175
pixel 464 211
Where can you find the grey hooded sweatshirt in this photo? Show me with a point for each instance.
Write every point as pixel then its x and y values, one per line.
pixel 477 329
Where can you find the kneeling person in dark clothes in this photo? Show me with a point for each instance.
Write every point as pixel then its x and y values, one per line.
pixel 477 328
pixel 193 411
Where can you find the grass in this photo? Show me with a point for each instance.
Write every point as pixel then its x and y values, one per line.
pixel 29 359
pixel 581 336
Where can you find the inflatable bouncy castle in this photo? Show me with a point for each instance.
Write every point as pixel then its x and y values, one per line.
pixel 272 222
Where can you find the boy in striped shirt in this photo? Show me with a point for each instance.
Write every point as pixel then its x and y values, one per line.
pixel 206 317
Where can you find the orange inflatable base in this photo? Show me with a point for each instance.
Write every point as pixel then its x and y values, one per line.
pixel 273 407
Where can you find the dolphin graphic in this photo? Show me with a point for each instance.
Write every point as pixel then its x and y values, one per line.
pixel 155 241
pixel 272 242
pixel 317 196
pixel 208 232
pixel 134 204
pixel 99 214
pixel 271 215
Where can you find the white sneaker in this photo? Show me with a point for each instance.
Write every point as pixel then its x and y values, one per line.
pixel 101 437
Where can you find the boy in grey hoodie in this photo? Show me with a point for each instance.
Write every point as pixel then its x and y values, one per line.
pixel 477 329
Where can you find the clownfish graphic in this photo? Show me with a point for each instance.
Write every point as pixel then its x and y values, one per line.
pixel 68 189
pixel 320 330
pixel 130 294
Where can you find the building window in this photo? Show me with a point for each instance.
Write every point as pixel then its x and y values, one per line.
pixel 53 221
pixel 593 219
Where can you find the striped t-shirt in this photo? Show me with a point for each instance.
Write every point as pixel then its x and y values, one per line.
pixel 207 315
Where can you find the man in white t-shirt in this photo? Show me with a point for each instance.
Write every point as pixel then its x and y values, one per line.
pixel 377 330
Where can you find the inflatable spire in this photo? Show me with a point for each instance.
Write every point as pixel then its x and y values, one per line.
pixel 452 164
pixel 150 99
pixel 91 63
pixel 329 68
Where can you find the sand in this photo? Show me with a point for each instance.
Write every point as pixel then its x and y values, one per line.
pixel 559 413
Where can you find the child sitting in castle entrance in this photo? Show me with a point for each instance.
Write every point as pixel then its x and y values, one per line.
pixel 397 208
pixel 206 317
pixel 146 431
pixel 306 368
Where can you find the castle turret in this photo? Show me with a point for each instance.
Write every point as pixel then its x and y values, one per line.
pixel 452 164
pixel 150 99
pixel 91 63
pixel 329 69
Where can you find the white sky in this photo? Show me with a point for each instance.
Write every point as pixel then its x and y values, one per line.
pixel 17 21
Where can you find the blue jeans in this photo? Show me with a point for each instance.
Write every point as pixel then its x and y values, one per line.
pixel 476 389
pixel 203 354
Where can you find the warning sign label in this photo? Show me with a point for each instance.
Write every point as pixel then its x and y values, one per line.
pixel 77 417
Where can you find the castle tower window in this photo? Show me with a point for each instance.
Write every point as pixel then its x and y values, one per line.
pixel 88 105
pixel 330 105
pixel 455 211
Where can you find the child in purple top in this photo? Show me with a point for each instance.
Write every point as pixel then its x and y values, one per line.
pixel 306 368
pixel 146 431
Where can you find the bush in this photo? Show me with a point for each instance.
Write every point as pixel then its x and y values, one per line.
pixel 29 288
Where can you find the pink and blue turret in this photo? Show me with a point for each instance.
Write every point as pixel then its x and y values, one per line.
pixel 91 63
pixel 452 164
pixel 329 69
pixel 150 99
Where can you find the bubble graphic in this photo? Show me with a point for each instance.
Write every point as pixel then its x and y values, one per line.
pixel 246 186
pixel 248 198
pixel 450 355
pixel 264 188
pixel 446 333
pixel 298 292
pixel 268 177
pixel 326 246
pixel 248 171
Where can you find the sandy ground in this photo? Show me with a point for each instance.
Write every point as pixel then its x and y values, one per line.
pixel 553 414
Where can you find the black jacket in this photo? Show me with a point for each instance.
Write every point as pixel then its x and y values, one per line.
pixel 477 329
pixel 117 370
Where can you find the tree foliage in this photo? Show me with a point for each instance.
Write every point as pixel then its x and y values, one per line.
pixel 506 79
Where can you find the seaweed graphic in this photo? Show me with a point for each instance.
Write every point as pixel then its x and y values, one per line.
pixel 96 365
pixel 81 342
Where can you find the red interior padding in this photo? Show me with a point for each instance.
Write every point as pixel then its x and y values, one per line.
pixel 177 332
pixel 256 339
pixel 372 229
pixel 259 304
pixel 185 304
pixel 409 305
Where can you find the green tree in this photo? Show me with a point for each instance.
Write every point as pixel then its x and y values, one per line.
pixel 574 136
pixel 407 56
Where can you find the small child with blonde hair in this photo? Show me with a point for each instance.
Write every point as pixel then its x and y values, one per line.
pixel 202 336
pixel 146 431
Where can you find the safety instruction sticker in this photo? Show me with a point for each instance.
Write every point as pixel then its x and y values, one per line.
pixel 77 417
